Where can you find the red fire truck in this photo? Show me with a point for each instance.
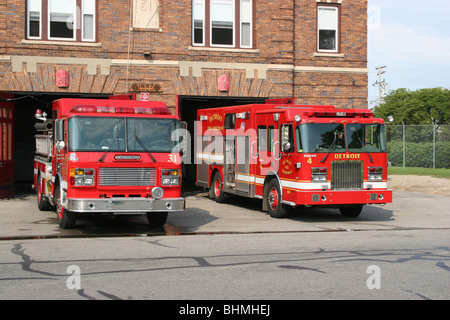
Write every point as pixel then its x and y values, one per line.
pixel 293 155
pixel 108 156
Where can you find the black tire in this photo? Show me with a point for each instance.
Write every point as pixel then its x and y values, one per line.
pixel 217 189
pixel 65 218
pixel 42 201
pixel 351 211
pixel 274 201
pixel 157 219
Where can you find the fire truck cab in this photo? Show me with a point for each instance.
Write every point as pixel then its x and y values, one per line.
pixel 293 155
pixel 108 156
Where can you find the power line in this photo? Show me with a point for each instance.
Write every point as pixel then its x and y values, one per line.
pixel 382 85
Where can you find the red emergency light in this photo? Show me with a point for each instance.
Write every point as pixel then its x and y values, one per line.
pixel 129 110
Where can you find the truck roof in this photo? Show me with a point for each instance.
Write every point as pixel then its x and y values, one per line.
pixel 69 106
pixel 318 111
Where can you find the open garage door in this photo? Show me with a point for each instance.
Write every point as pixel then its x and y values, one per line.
pixel 6 146
pixel 187 107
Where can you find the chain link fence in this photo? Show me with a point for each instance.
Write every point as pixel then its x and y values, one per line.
pixel 426 146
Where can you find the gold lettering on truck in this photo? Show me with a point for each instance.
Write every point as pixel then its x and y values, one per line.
pixel 347 156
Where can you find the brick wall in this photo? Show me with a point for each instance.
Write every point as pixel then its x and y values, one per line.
pixel 284 61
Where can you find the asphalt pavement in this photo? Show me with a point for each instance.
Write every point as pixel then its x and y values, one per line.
pixel 20 218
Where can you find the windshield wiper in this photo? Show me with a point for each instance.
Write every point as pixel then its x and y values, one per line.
pixel 331 147
pixel 109 146
pixel 143 147
pixel 362 145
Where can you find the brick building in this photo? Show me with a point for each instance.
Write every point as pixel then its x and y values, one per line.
pixel 176 50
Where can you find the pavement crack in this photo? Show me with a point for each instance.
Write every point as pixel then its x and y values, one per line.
pixel 27 261
pixel 443 266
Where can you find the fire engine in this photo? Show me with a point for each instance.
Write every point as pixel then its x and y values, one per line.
pixel 108 156
pixel 293 155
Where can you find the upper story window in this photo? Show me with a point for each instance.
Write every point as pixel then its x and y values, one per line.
pixel 222 23
pixel 62 20
pixel 327 28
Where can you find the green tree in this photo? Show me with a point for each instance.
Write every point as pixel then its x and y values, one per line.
pixel 416 107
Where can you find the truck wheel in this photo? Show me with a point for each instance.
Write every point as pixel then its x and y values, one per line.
pixel 43 203
pixel 276 208
pixel 217 189
pixel 351 211
pixel 157 219
pixel 65 218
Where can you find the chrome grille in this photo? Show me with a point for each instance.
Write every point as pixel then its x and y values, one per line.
pixel 347 175
pixel 127 176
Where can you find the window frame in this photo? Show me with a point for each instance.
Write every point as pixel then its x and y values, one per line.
pixel 337 9
pixel 29 36
pixel 237 22
pixel 75 20
pixel 242 21
pixel 79 22
pixel 94 24
pixel 202 19
pixel 233 24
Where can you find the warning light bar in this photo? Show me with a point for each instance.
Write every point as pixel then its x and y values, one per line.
pixel 129 110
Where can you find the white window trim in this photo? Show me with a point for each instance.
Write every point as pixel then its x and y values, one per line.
pixel 251 26
pixel 94 35
pixel 40 23
pixel 75 25
pixel 233 45
pixel 337 30
pixel 203 24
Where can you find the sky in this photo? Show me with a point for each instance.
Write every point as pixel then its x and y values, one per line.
pixel 412 39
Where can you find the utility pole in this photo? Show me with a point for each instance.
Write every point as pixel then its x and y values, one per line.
pixel 381 83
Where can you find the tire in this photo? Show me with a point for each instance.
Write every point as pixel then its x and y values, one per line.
pixel 217 189
pixel 274 201
pixel 65 218
pixel 157 219
pixel 351 211
pixel 42 201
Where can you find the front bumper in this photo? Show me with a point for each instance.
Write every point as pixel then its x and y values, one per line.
pixel 342 197
pixel 126 205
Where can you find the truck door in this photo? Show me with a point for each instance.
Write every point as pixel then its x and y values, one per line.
pixel 265 150
pixel 242 160
pixel 6 146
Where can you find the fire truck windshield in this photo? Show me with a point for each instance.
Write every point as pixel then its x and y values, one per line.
pixel 335 137
pixel 121 134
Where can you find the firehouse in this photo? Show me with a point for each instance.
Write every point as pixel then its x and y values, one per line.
pixel 293 155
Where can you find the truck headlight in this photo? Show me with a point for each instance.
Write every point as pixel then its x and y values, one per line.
pixel 319 174
pixel 375 174
pixel 157 193
pixel 82 177
pixel 170 177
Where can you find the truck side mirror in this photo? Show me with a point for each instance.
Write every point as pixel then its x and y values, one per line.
pixel 183 138
pixel 59 134
pixel 59 130
pixel 285 138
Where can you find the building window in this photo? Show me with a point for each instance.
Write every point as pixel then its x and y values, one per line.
pixel 222 23
pixel 34 16
pixel 88 20
pixel 327 25
pixel 62 20
pixel 198 22
pixel 246 23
